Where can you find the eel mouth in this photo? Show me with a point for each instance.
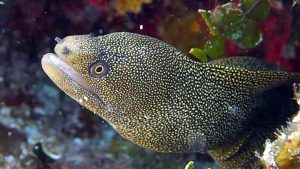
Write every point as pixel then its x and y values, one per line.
pixel 54 66
pixel 74 85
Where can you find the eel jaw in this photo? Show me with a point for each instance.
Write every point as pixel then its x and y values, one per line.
pixel 71 82
pixel 74 85
pixel 51 61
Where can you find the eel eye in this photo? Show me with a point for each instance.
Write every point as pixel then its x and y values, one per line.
pixel 99 69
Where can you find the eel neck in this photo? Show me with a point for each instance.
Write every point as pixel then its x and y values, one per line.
pixel 240 154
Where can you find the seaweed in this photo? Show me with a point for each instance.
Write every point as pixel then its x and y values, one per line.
pixel 236 22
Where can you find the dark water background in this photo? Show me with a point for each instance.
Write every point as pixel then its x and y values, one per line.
pixel 34 111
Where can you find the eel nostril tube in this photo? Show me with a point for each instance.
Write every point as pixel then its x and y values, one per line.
pixel 58 40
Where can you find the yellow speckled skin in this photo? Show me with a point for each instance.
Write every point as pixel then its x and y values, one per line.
pixel 156 97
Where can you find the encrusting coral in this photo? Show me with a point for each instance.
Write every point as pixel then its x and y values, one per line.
pixel 284 152
pixel 124 6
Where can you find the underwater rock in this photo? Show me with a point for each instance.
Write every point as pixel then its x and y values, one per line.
pixel 49 97
pixel 13 152
pixel 10 140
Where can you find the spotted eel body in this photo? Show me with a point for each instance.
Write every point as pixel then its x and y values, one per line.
pixel 153 95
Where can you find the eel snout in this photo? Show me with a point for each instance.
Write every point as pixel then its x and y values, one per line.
pixel 51 63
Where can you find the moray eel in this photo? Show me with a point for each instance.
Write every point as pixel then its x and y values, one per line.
pixel 158 98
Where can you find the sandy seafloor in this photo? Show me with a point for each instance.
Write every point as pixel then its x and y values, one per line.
pixel 33 110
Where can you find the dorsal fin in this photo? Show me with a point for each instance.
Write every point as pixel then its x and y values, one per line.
pixel 253 78
pixel 249 63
